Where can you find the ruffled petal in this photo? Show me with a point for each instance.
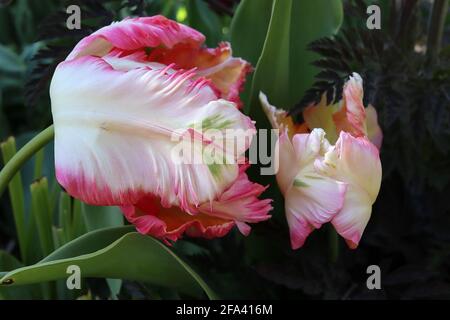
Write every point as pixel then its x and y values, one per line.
pixel 351 221
pixel 356 162
pixel 310 146
pixel 240 202
pixel 359 164
pixel 286 167
pixel 351 116
pixel 312 199
pixel 226 73
pixel 280 119
pixel 137 33
pixel 151 218
pixel 111 149
pixel 238 205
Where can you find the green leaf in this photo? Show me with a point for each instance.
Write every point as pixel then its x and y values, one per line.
pixel 119 254
pixel 65 215
pixel 250 21
pixel 78 225
pixel 16 195
pixel 42 214
pixel 7 263
pixel 202 18
pixel 101 217
pixel 284 71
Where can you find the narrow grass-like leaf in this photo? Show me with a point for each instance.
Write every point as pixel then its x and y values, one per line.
pixel 16 196
pixel 42 214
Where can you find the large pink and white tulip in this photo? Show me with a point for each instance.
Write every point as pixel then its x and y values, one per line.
pixel 125 97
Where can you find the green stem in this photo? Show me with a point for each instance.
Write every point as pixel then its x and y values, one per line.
pixel 16 162
pixel 436 29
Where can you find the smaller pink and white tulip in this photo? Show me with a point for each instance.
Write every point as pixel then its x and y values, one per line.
pixel 324 183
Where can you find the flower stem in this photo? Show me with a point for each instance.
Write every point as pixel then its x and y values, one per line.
pixel 17 161
pixel 436 29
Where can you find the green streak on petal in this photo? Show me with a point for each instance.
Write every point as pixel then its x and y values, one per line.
pixel 300 184
pixel 215 169
pixel 313 177
pixel 214 122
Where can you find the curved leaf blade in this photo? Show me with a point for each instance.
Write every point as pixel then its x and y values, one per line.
pixel 132 256
pixel 250 21
pixel 284 71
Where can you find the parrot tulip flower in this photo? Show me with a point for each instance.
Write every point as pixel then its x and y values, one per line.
pixel 325 183
pixel 124 99
pixel 348 115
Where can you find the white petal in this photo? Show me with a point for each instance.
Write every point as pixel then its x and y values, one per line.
pixel 114 133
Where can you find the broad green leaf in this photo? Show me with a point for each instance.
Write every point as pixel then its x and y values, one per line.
pixel 202 18
pixel 284 71
pixel 101 217
pixel 250 21
pixel 7 263
pixel 119 254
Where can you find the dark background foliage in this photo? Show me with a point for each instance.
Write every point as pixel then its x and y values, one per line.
pixel 408 235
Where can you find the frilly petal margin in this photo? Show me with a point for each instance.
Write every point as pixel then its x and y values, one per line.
pixel 280 119
pixel 137 33
pixel 351 117
pixel 238 205
pixel 226 73
pixel 169 42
